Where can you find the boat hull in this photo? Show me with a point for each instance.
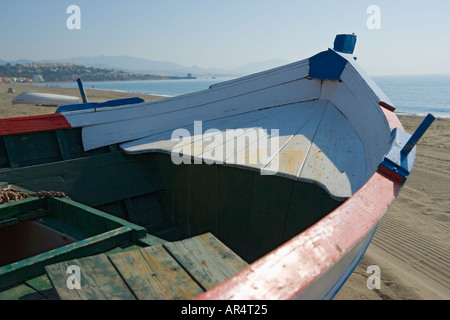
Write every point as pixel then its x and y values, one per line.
pixel 182 218
pixel 47 99
pixel 302 228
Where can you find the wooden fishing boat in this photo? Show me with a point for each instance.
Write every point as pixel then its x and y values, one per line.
pixel 46 99
pixel 269 186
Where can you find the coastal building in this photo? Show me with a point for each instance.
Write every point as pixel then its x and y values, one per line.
pixel 38 78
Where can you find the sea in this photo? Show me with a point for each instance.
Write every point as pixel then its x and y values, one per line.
pixel 410 94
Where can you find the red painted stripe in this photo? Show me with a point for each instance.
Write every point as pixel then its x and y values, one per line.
pixel 390 174
pixel 44 122
pixel 387 106
pixel 392 119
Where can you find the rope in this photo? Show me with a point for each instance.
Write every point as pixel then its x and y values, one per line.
pixel 8 195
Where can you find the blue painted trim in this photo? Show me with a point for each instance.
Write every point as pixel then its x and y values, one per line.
pixel 326 65
pixel 82 92
pixel 73 107
pixel 401 157
pixel 396 163
pixel 345 43
pixel 366 78
pixel 96 105
pixel 418 134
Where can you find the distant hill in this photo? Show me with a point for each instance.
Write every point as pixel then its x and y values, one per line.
pixel 69 71
pixel 126 63
pixel 164 68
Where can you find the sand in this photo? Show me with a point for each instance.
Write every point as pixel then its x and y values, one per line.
pixel 412 244
pixel 7 109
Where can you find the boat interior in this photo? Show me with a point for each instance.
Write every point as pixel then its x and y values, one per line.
pixel 251 213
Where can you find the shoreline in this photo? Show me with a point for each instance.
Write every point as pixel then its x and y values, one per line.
pixel 420 115
pixel 411 243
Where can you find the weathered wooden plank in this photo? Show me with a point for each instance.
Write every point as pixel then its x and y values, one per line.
pixel 38 288
pixel 374 133
pixel 162 142
pixel 201 205
pixel 111 181
pixel 147 211
pixel 34 148
pixel 289 72
pixel 267 215
pixel 221 137
pixel 4 161
pixel 150 240
pixel 354 220
pixel 308 204
pixel 75 144
pixel 115 208
pixel 15 208
pixel 275 133
pixel 235 189
pixel 207 259
pixel 33 123
pixel 43 286
pixel 217 93
pixel 34 266
pixel 290 160
pixel 337 157
pixel 293 147
pixel 98 280
pixel 188 188
pixel 142 125
pixel 90 220
pixel 173 197
pixel 112 176
pixel 20 292
pixel 365 82
pixel 10 152
pixel 152 274
pixel 63 147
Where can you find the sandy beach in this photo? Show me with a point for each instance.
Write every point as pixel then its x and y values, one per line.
pixel 411 246
pixel 7 109
pixel 412 243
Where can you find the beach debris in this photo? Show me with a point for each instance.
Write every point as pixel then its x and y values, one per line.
pixel 11 90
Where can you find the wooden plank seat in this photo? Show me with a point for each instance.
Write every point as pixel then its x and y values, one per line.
pixel 171 271
pixel 98 278
pixel 206 259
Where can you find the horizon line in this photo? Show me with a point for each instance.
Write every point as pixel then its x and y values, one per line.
pixel 206 68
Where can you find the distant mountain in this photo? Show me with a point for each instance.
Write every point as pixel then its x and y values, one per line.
pixel 21 61
pixel 165 68
pixel 127 63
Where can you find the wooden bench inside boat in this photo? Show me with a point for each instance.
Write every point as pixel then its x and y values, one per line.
pixel 170 271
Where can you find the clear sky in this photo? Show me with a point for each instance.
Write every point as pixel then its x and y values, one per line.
pixel 414 36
